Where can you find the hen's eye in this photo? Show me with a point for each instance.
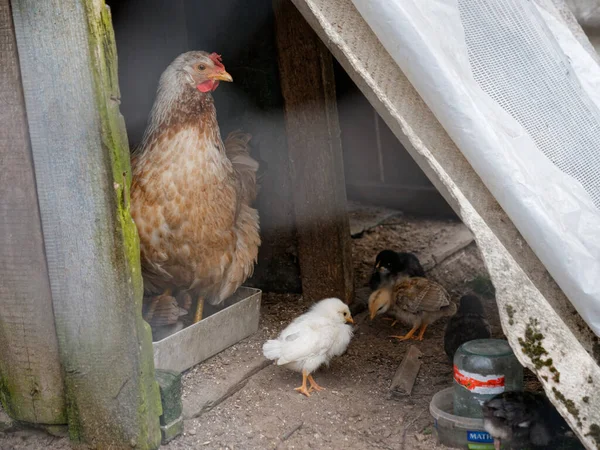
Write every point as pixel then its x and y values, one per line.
pixel 380 308
pixel 201 67
pixel 345 314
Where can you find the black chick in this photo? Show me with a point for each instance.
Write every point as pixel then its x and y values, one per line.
pixel 467 324
pixel 389 264
pixel 524 419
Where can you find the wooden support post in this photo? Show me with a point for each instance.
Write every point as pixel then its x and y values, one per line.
pixel 313 133
pixel 81 158
pixel 31 382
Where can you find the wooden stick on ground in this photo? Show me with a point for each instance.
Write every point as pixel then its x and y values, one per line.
pixel 405 376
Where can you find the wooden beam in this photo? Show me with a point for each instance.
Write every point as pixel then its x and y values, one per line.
pixel 81 158
pixel 406 375
pixel 253 103
pixel 317 171
pixel 31 383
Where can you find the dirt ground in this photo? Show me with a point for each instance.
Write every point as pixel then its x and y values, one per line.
pixel 355 411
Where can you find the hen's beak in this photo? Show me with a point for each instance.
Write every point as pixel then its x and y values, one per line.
pixel 220 76
pixel 349 319
pixel 373 314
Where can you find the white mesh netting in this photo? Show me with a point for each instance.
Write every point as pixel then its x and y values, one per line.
pixel 520 97
pixel 515 62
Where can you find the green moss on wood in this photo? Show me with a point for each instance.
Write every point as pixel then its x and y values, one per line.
pixel 511 312
pixel 594 433
pixel 531 345
pixel 114 139
pixel 8 396
pixel 569 404
pixel 74 420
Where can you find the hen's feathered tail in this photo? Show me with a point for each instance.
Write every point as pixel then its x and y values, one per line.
pixel 272 349
pixel 237 148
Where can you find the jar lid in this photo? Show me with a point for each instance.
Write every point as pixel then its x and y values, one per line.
pixel 487 347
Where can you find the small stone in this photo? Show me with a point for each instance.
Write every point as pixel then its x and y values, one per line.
pixel 192 432
pixel 387 434
pixel 419 437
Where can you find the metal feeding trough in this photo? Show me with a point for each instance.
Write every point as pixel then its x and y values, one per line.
pixel 222 327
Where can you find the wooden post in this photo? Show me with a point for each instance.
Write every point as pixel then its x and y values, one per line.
pixel 31 382
pixel 313 133
pixel 81 158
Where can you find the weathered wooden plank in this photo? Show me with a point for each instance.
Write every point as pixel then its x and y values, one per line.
pixel 81 158
pixel 31 383
pixel 317 171
pixel 406 375
pixel 253 102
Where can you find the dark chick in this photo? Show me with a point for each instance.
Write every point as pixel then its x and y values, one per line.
pixel 467 324
pixel 389 264
pixel 523 420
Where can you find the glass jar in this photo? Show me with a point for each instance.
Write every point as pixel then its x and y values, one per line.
pixel 483 368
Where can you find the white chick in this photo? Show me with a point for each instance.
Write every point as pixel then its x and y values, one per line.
pixel 311 340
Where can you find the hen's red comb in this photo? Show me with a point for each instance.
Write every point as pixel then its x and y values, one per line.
pixel 216 58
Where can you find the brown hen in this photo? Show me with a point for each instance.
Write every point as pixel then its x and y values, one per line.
pixel 417 301
pixel 191 196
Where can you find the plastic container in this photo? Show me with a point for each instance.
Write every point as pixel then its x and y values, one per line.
pixel 468 433
pixel 483 368
pixel 456 431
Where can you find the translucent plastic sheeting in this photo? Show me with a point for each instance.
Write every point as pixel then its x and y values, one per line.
pixel 519 96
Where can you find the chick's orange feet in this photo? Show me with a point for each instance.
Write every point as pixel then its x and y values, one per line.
pixel 407 335
pixel 302 389
pixel 421 333
pixel 313 385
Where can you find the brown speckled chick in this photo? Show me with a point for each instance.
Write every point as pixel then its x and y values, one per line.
pixel 417 302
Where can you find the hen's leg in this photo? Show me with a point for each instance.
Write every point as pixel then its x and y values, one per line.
pixel 407 335
pixel 199 310
pixel 497 444
pixel 302 389
pixel 421 333
pixel 314 385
